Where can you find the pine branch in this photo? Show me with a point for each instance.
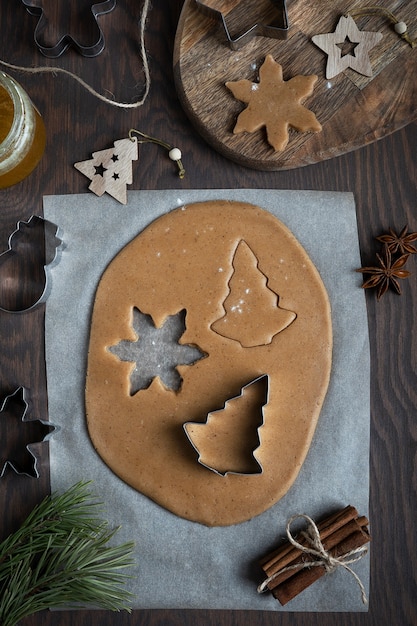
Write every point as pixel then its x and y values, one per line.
pixel 60 557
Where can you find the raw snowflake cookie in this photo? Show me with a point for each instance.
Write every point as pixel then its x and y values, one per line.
pixel 275 104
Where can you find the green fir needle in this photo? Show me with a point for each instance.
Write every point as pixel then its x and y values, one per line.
pixel 60 558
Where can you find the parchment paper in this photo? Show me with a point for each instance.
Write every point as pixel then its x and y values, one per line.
pixel 181 564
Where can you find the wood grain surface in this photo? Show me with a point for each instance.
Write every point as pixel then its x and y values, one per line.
pixel 353 109
pixel 382 177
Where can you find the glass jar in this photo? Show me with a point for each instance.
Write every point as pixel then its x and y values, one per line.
pixel 22 133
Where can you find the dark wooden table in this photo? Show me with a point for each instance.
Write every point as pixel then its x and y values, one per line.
pixel 382 177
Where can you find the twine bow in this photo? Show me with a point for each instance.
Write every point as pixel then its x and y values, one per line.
pixel 322 558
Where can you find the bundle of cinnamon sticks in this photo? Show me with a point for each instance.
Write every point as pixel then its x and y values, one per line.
pixel 340 534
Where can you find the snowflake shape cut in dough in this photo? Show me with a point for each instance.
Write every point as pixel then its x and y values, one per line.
pixel 157 351
pixel 275 104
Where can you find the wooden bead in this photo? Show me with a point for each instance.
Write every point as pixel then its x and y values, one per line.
pixel 175 154
pixel 400 28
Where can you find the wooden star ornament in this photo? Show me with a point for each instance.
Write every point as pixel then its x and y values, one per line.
pixel 347 47
pixel 275 104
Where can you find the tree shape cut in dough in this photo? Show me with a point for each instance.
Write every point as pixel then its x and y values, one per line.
pixel 332 45
pixel 275 104
pixel 111 170
pixel 249 300
pixel 157 351
pixel 228 440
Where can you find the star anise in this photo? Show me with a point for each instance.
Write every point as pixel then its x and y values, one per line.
pixel 399 243
pixel 386 274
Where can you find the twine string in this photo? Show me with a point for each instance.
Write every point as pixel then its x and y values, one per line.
pixel 148 139
pixel 174 153
pixel 375 10
pixel 61 70
pixel 322 558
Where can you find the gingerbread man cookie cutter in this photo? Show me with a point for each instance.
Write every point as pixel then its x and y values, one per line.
pixel 35 7
pixel 278 31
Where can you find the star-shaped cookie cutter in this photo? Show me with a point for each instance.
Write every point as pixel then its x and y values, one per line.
pixel 34 7
pixel 278 31
pixel 19 398
pixel 262 382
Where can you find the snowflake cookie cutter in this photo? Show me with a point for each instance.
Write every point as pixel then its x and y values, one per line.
pixel 17 404
pixel 24 281
pixel 278 31
pixel 262 383
pixel 35 7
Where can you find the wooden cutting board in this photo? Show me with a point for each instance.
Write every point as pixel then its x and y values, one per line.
pixel 354 110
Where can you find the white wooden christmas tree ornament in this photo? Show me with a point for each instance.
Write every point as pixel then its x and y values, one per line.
pixel 110 170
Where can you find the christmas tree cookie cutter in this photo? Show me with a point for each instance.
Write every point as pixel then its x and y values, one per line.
pixel 24 280
pixel 65 40
pixel 273 31
pixel 203 439
pixel 22 459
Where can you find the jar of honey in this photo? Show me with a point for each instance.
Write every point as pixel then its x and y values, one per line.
pixel 22 133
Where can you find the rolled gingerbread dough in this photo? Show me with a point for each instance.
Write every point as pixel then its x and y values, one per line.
pixel 203 258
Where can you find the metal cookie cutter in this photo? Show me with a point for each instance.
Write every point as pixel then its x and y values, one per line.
pixel 274 31
pixel 35 7
pixel 22 458
pixel 23 267
pixel 212 440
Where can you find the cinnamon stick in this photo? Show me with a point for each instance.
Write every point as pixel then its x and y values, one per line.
pixel 286 553
pixel 307 576
pixel 340 534
pixel 335 542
